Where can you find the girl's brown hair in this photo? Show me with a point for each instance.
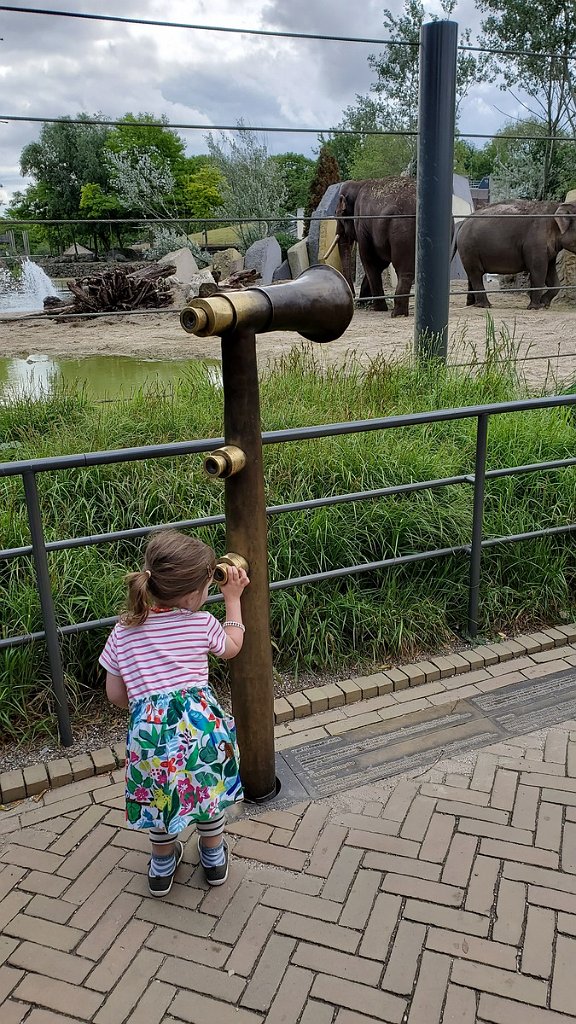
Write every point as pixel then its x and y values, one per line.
pixel 174 565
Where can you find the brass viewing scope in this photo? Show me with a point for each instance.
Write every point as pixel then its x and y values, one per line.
pixel 224 462
pixel 318 305
pixel 221 570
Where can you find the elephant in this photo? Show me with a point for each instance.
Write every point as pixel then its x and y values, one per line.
pixel 514 236
pixel 382 237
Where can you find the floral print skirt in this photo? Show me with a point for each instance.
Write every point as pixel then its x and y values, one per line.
pixel 181 760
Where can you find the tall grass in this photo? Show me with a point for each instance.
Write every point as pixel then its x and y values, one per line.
pixel 343 624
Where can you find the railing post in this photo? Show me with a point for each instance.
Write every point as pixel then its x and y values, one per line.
pixel 251 671
pixel 47 606
pixel 477 524
pixel 436 118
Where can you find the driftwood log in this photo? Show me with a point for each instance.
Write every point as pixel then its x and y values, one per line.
pixel 117 290
pixel 235 282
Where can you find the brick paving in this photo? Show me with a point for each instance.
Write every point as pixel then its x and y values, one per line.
pixel 444 894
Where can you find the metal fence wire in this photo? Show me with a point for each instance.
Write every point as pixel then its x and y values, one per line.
pixel 39 548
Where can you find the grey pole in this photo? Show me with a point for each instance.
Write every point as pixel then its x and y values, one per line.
pixel 477 524
pixel 436 118
pixel 47 607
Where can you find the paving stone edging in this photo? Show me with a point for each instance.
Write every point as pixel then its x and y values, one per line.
pixel 18 784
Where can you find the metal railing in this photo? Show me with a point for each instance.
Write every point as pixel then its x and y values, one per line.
pixel 39 548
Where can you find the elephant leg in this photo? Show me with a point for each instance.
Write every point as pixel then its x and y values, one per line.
pixel 365 292
pixel 470 297
pixel 476 285
pixel 538 271
pixel 405 282
pixel 373 267
pixel 553 283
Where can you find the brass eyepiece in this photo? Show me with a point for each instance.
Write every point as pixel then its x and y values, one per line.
pixel 222 564
pixel 194 321
pixel 224 462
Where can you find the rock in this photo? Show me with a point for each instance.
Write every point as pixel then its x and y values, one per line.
pixel 123 255
pixel 282 273
pixel 298 257
pixel 264 256
pixel 227 262
pixel 193 286
pixel 186 266
pixel 326 208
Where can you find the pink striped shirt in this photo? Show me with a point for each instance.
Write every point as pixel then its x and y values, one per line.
pixel 169 651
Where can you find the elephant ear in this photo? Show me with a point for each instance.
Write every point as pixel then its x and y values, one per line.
pixel 341 209
pixel 564 216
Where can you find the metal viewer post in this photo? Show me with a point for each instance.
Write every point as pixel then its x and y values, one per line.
pixel 319 306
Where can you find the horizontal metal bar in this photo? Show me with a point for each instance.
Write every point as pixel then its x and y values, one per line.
pixel 532 467
pixel 79 627
pixel 74 628
pixel 317 577
pixel 265 218
pixel 350 570
pixel 279 436
pixel 107 458
pixel 531 535
pixel 101 538
pixel 296 506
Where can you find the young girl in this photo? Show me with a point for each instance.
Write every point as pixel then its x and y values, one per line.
pixel 181 756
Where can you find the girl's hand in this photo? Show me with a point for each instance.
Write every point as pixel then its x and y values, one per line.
pixel 236 582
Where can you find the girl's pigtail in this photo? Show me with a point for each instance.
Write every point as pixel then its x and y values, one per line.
pixel 137 605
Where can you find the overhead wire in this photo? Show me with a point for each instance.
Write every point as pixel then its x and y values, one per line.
pixel 184 126
pixel 275 33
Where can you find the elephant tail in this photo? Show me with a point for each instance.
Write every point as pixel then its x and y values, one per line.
pixel 454 244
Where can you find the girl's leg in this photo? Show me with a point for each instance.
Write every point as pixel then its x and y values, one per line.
pixel 213 851
pixel 163 853
pixel 167 853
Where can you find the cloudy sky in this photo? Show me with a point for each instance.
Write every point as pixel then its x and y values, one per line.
pixel 51 67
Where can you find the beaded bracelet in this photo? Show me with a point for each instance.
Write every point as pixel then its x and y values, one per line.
pixel 237 624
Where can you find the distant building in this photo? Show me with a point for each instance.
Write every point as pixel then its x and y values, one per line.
pixel 480 191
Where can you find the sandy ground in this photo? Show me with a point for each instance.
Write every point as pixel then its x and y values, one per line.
pixel 545 340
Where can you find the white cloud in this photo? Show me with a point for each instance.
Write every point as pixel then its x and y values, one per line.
pixel 53 67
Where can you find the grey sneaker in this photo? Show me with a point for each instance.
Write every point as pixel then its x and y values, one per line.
pixel 160 886
pixel 216 875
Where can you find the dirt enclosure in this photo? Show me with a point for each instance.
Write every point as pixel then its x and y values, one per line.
pixel 550 334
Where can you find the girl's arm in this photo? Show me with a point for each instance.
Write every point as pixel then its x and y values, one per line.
pixel 116 690
pixel 232 591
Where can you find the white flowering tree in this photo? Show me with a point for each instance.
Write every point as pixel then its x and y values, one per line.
pixel 143 181
pixel 253 189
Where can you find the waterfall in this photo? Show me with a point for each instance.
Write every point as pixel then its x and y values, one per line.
pixel 27 294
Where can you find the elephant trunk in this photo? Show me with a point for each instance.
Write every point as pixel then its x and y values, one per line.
pixel 345 249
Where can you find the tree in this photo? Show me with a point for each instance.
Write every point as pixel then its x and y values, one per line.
pixel 297 171
pixel 473 162
pixel 143 182
pixel 357 120
pixel 531 32
pixel 143 133
pixel 392 105
pixel 519 166
pixel 198 189
pixel 61 161
pixel 101 205
pixel 327 173
pixel 151 174
pixel 253 191
pixel 382 156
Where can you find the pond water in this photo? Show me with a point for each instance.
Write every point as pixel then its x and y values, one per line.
pixel 104 377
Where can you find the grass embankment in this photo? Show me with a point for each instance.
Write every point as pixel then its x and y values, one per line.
pixel 344 623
